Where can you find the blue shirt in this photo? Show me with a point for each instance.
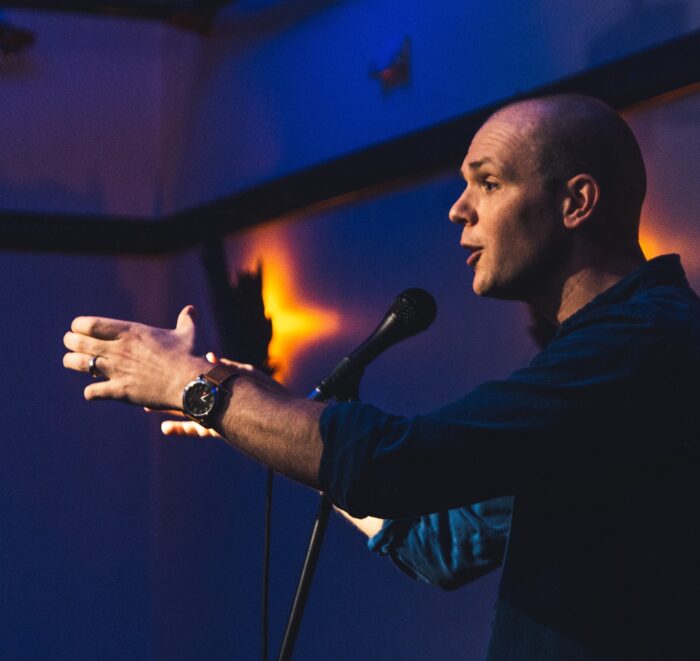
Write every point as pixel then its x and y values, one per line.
pixel 597 439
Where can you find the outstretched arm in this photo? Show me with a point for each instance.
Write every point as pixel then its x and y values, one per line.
pixel 274 428
pixel 150 366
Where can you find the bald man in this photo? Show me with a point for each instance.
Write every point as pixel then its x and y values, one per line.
pixel 595 439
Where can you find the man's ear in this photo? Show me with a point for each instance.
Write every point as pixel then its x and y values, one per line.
pixel 581 199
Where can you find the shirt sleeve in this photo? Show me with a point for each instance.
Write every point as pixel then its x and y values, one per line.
pixel 449 548
pixel 604 396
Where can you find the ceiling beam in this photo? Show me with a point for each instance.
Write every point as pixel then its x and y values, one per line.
pixel 157 9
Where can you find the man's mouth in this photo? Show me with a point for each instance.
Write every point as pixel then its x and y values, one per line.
pixel 474 257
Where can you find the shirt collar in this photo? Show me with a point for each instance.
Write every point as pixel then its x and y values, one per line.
pixel 665 270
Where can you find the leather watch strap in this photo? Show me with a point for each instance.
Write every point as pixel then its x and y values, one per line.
pixel 220 373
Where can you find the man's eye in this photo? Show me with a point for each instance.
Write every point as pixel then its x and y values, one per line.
pixel 490 186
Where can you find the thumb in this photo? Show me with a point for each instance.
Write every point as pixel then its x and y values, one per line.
pixel 186 321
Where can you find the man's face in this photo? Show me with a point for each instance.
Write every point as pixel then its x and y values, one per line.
pixel 511 219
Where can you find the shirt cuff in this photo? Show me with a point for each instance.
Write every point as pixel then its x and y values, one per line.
pixel 348 431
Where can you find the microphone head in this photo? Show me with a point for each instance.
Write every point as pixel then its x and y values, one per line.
pixel 411 312
pixel 415 309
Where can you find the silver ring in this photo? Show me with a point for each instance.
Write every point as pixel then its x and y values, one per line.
pixel 93 370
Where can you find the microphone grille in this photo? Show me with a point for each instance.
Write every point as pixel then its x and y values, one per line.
pixel 416 309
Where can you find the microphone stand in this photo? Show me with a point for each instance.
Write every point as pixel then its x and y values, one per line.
pixel 345 390
pixel 412 312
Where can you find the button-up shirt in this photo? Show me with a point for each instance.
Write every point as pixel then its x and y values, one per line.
pixel 597 440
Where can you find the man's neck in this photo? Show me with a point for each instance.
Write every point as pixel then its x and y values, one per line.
pixel 582 281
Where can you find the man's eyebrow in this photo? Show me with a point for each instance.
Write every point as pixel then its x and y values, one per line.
pixel 475 165
pixel 502 169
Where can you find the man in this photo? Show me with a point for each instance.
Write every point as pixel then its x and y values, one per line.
pixel 596 438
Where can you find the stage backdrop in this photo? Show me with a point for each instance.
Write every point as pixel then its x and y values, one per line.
pixel 120 544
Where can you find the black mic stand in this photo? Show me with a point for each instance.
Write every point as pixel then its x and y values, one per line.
pixel 412 312
pixel 345 390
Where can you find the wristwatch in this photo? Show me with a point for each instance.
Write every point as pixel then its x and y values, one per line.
pixel 201 397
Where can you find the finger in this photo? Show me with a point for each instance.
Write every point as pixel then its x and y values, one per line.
pixel 75 361
pixel 187 428
pixel 179 428
pixel 100 327
pixel 101 390
pixel 178 414
pixel 244 367
pixel 85 344
pixel 80 362
pixel 173 428
pixel 262 378
pixel 186 321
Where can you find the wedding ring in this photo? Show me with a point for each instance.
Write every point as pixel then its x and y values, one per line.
pixel 93 369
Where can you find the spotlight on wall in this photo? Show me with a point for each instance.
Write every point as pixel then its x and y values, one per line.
pixel 14 39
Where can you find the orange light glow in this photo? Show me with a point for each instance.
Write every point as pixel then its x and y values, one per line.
pixel 662 234
pixel 296 324
pixel 650 244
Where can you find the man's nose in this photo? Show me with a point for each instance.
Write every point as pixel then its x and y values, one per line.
pixel 462 213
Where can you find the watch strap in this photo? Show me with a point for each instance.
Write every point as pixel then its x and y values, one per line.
pixel 220 373
pixel 215 378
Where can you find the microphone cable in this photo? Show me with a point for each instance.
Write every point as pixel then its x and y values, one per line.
pixel 266 564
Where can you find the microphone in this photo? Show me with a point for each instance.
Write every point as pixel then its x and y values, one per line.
pixel 411 313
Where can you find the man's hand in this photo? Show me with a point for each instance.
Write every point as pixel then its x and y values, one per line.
pixel 184 427
pixel 141 364
pixel 150 367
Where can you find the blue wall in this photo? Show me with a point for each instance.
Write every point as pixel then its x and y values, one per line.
pixel 127 117
pixel 281 89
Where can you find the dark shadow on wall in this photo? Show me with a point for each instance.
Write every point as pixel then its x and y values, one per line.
pixel 238 308
pixel 14 59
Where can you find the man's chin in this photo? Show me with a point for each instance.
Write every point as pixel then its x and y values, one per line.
pixel 492 289
pixel 483 286
pixel 480 286
pixel 481 290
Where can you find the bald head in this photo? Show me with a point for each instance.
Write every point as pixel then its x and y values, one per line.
pixel 572 134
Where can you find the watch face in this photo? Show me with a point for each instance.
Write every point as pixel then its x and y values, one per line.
pixel 198 398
